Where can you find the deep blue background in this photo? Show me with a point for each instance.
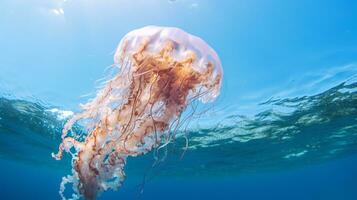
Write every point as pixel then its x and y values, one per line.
pixel 335 179
pixel 264 47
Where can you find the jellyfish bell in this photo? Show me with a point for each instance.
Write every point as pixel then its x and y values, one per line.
pixel 184 46
pixel 161 70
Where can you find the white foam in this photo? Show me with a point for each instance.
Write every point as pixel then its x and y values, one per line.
pixel 61 114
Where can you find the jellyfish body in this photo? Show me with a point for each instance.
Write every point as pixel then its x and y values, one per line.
pixel 161 70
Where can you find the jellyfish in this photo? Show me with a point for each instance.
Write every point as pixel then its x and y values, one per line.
pixel 160 71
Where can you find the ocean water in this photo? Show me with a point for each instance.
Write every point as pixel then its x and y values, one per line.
pixel 284 126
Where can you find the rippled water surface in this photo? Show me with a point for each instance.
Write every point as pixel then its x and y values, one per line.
pixel 284 126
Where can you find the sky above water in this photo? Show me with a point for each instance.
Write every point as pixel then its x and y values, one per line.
pixel 57 50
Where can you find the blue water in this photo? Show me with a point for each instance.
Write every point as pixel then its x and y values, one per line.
pixel 284 127
pixel 332 180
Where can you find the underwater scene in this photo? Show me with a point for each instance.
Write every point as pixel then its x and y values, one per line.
pixel 178 99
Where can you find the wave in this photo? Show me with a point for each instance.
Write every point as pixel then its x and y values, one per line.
pixel 293 131
pixel 289 132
